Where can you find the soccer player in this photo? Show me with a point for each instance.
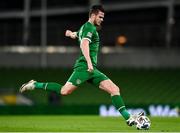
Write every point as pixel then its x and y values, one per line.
pixel 85 68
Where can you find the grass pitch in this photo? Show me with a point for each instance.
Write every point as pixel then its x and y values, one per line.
pixel 59 123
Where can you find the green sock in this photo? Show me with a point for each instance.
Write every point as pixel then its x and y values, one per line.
pixel 119 104
pixel 50 86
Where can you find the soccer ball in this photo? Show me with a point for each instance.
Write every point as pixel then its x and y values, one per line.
pixel 143 122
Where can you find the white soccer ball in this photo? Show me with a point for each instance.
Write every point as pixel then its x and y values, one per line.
pixel 143 122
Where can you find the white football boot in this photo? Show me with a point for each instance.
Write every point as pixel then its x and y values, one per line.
pixel 27 86
pixel 132 120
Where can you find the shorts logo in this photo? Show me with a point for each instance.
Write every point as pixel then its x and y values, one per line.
pixel 78 81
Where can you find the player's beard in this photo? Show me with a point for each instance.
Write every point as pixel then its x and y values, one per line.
pixel 98 27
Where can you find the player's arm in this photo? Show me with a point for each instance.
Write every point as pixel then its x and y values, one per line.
pixel 85 50
pixel 71 34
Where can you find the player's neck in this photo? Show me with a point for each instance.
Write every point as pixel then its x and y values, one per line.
pixel 91 21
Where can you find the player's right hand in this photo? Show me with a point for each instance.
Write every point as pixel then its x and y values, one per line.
pixel 68 33
pixel 71 34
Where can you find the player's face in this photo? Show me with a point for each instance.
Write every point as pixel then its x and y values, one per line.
pixel 99 18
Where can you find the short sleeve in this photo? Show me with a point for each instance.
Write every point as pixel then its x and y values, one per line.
pixel 88 33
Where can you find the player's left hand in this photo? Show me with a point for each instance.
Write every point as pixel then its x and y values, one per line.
pixel 90 68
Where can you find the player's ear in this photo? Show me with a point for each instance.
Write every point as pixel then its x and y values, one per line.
pixel 93 15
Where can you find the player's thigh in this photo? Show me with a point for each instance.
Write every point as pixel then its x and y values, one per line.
pixel 76 78
pixel 109 86
pixel 79 77
pixel 97 77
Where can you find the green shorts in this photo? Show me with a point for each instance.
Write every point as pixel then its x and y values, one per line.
pixel 81 75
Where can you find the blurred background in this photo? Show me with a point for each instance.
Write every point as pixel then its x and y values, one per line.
pixel 139 51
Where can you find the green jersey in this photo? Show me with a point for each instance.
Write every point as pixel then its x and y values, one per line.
pixel 88 31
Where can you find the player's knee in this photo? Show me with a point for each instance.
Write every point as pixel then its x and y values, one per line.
pixel 115 90
pixel 65 92
pixel 67 89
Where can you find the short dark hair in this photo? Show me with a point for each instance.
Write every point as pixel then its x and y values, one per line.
pixel 95 9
